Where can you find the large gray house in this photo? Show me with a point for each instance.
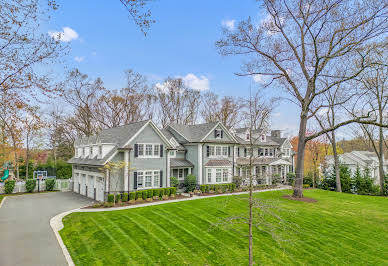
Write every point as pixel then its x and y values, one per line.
pixel 142 156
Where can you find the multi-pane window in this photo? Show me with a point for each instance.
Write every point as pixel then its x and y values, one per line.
pixel 156 150
pixel 140 179
pixel 218 175
pixel 148 150
pixel 218 150
pixel 225 175
pixel 218 133
pixel 180 173
pixel 211 150
pixel 261 152
pixel 262 138
pixel 148 179
pixel 156 178
pixel 209 175
pixel 270 152
pixel 225 151
pixel 172 154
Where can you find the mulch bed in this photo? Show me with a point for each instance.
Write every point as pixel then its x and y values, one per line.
pixel 122 204
pixel 234 192
pixel 309 200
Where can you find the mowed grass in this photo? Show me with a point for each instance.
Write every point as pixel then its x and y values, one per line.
pixel 339 229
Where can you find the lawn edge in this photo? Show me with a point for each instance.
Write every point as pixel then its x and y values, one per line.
pixel 57 224
pixel 2 201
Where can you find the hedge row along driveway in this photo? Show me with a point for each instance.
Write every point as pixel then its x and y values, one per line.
pixel 338 229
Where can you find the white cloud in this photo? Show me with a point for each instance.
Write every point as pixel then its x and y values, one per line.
pixel 196 83
pixel 94 53
pixel 258 78
pixel 229 24
pixel 67 35
pixel 276 114
pixel 79 59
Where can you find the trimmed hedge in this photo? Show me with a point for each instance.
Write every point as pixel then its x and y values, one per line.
pixel 111 198
pixel 124 197
pixel 144 194
pixel 223 187
pixel 50 183
pixel 132 195
pixel 30 185
pixel 156 192
pixel 173 191
pixel 9 186
pixel 150 193
pixel 139 194
pixel 174 181
pixel 118 197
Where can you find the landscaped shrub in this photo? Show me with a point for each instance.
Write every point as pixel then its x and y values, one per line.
pixel 233 187
pixel 190 183
pixel 166 191
pixel 174 181
pixel 30 185
pixel 202 188
pixel 139 194
pixel 223 188
pixel 306 185
pixel 132 195
pixel 111 198
pixel 150 193
pixel 173 191
pixel 144 194
pixel 9 186
pixel 50 183
pixel 363 184
pixel 161 192
pixel 290 178
pixel 124 197
pixel 156 192
pixel 386 185
pixel 207 188
pixel 118 197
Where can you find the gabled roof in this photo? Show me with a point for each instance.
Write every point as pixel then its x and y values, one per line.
pixel 256 141
pixel 168 135
pixel 196 133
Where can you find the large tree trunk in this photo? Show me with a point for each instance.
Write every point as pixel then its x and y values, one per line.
pixel 299 171
pixel 381 160
pixel 336 162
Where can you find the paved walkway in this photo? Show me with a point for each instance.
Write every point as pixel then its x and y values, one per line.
pixel 25 234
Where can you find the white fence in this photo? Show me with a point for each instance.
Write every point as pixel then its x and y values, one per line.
pixel 60 184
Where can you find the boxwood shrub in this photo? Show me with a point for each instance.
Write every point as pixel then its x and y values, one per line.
pixel 30 185
pixel 173 190
pixel 118 197
pixel 161 192
pixel 124 197
pixel 139 194
pixel 150 193
pixel 190 183
pixel 111 198
pixel 132 195
pixel 144 194
pixel 9 186
pixel 156 192
pixel 202 188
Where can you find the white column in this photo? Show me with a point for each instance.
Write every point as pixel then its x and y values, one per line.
pixel 106 180
pixel 189 170
pixel 168 169
pixel 199 164
pixel 126 159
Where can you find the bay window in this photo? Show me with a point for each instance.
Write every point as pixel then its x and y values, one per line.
pixel 209 175
pixel 225 174
pixel 218 175
pixel 148 179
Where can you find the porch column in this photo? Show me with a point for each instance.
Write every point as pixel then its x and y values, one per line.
pixel 189 170
pixel 107 180
pixel 126 159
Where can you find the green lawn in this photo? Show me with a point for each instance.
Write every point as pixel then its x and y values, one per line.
pixel 338 229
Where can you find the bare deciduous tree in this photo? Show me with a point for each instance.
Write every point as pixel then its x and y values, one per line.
pixel 308 48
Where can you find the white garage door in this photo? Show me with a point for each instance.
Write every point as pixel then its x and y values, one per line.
pixel 91 187
pixel 100 189
pixel 83 182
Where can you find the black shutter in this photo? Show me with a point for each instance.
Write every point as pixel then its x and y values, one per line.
pixel 161 150
pixel 135 180
pixel 245 152
pixel 207 151
pixel 136 150
pixel 215 133
pixel 222 134
pixel 238 151
pixel 228 151
pixel 161 178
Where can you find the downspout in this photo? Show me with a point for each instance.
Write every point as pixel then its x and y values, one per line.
pixel 129 164
pixel 202 168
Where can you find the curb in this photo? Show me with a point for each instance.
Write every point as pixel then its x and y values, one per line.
pixel 57 224
pixel 2 201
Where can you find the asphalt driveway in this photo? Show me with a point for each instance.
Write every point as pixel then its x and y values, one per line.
pixel 26 237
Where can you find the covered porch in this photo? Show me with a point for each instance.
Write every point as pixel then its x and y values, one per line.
pixel 180 168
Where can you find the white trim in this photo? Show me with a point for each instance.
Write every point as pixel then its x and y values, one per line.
pixel 225 131
pixel 200 153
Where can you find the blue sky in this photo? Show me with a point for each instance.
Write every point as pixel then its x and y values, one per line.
pixel 104 42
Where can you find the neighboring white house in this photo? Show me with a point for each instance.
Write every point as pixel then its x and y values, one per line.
pixel 361 159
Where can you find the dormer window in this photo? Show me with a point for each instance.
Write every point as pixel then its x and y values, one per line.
pixel 262 138
pixel 218 134
pixel 248 137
